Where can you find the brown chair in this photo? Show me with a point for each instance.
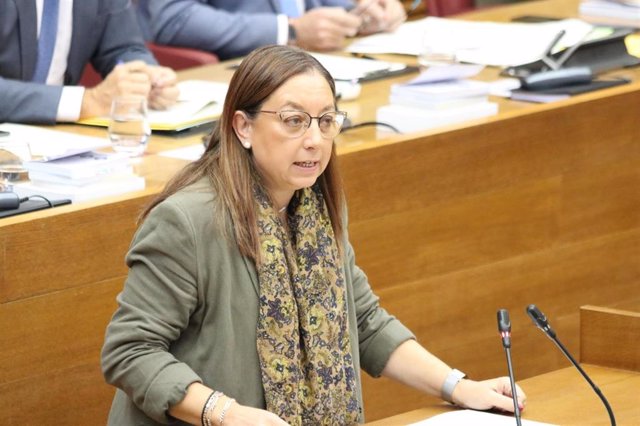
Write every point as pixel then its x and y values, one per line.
pixel 180 58
pixel 448 7
pixel 177 58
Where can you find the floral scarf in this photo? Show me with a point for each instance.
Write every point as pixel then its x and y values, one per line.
pixel 303 339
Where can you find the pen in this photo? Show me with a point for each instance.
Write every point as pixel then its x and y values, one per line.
pixel 363 56
pixel 414 6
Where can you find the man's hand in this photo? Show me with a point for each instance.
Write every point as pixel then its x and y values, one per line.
pixel 130 79
pixel 380 15
pixel 164 91
pixel 325 28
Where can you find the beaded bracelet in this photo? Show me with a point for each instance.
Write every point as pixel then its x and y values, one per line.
pixel 224 410
pixel 209 406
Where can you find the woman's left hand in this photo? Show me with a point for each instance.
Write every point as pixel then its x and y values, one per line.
pixel 488 394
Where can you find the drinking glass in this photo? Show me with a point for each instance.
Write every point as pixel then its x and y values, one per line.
pixel 129 128
pixel 434 52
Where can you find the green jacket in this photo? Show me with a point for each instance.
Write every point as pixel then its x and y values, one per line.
pixel 188 313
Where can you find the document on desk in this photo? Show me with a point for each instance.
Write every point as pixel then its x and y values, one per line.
pixel 46 144
pixel 486 43
pixel 199 102
pixel 357 69
pixel 476 418
pixel 190 153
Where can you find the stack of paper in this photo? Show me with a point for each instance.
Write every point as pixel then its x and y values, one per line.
pixel 620 12
pixel 45 144
pixel 80 177
pixel 436 99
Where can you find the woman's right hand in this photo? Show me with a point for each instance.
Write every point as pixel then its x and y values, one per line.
pixel 241 415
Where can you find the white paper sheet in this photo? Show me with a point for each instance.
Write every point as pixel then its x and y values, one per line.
pixel 475 418
pixel 347 68
pixel 487 43
pixel 49 144
pixel 446 73
pixel 191 152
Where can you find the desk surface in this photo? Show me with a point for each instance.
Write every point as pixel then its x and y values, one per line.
pixel 538 204
pixel 563 397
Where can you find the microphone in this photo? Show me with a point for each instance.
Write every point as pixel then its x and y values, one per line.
pixel 540 320
pixel 9 201
pixel 504 327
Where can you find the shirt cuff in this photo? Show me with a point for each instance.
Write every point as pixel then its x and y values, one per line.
pixel 70 104
pixel 283 29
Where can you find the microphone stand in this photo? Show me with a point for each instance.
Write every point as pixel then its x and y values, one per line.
pixel 597 390
pixel 540 320
pixel 504 326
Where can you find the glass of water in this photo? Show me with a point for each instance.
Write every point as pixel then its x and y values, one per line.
pixel 434 52
pixel 129 128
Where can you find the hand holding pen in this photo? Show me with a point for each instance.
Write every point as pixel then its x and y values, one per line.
pixel 324 28
pixel 131 79
pixel 379 15
pixel 164 89
pixel 161 90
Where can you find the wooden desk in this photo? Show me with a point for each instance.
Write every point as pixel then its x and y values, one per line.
pixel 539 204
pixel 563 397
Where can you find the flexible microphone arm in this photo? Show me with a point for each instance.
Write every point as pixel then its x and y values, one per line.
pixel 504 326
pixel 540 320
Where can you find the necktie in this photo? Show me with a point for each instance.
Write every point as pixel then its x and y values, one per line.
pixel 290 8
pixel 47 40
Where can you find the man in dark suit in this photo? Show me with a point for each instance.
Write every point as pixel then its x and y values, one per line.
pixel 101 32
pixel 231 28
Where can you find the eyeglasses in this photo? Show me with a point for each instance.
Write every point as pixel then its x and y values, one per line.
pixel 296 123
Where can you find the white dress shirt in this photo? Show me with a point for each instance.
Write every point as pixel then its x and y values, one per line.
pixel 71 99
pixel 283 24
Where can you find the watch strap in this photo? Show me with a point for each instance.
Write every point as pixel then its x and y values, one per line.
pixel 292 34
pixel 450 383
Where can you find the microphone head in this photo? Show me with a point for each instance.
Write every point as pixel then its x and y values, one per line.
pixel 504 323
pixel 537 316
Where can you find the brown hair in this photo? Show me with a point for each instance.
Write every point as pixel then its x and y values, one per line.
pixel 230 168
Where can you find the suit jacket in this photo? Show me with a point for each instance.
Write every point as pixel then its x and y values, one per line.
pixel 228 28
pixel 104 33
pixel 189 309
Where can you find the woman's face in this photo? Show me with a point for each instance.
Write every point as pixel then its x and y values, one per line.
pixel 286 162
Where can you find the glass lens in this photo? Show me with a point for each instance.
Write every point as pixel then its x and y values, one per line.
pixel 295 122
pixel 330 123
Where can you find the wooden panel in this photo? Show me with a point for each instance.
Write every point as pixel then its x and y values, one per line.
pixel 601 200
pixel 52 344
pixel 70 397
pixel 457 234
pixel 610 337
pixel 54 332
pixel 489 156
pixel 70 250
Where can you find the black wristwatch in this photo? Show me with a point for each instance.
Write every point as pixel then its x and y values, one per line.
pixel 292 34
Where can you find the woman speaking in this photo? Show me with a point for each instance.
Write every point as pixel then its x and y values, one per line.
pixel 243 304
